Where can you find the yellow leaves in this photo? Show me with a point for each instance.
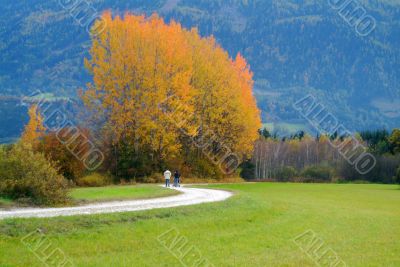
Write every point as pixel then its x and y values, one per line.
pixel 138 63
pixel 34 130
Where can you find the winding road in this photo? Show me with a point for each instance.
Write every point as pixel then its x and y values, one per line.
pixel 189 196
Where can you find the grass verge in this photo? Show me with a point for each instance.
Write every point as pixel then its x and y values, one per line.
pixel 109 193
pixel 84 195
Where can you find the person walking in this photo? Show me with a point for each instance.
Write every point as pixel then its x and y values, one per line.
pixel 167 176
pixel 177 177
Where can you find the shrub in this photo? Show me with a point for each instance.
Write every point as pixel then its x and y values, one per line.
pixel 247 170
pixel 383 172
pixel 68 164
pixel 285 173
pixel 154 178
pixel 94 180
pixel 204 168
pixel 25 174
pixel 397 178
pixel 317 173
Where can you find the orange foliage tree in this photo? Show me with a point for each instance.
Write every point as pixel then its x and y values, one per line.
pixel 66 156
pixel 34 130
pixel 157 87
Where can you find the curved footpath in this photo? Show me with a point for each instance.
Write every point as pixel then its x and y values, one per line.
pixel 189 196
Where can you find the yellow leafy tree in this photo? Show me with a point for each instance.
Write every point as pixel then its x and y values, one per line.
pixel 34 130
pixel 156 85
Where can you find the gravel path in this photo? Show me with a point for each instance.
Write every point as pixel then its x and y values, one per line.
pixel 189 196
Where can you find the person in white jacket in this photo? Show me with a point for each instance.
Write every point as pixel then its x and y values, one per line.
pixel 167 176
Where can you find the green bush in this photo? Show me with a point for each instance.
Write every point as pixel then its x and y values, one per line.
pixel 247 170
pixel 28 175
pixel 285 173
pixel 317 173
pixel 94 180
pixel 397 178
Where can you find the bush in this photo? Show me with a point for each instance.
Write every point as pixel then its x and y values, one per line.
pixel 383 172
pixel 154 178
pixel 247 170
pixel 397 178
pixel 204 168
pixel 317 173
pixel 94 180
pixel 285 173
pixel 67 163
pixel 25 174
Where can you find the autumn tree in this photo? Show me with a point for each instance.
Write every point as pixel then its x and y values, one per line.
pixel 34 130
pixel 164 92
pixel 66 157
pixel 394 141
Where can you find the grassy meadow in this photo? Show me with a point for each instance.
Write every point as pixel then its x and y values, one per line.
pixel 256 227
pixel 109 193
pixel 82 195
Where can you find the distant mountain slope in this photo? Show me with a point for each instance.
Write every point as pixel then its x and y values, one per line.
pixel 294 48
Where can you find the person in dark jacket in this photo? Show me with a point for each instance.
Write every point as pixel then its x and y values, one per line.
pixel 177 176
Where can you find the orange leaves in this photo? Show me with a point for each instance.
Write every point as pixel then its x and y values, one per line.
pixel 138 62
pixel 34 130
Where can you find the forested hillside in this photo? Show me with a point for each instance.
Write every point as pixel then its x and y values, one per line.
pixel 293 47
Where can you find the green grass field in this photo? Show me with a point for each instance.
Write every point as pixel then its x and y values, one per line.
pixel 93 194
pixel 100 194
pixel 256 227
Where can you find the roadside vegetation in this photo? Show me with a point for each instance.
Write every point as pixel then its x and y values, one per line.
pixel 5 202
pixel 84 195
pixel 126 192
pixel 29 177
